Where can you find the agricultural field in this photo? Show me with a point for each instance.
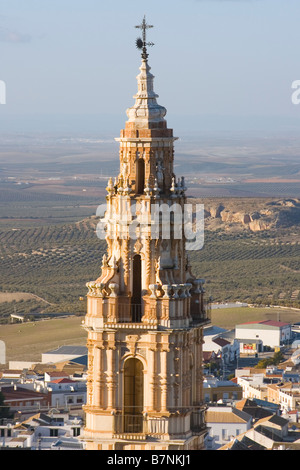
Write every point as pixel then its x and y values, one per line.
pixel 51 262
pixel 51 265
pixel 229 317
pixel 27 341
pixel 261 268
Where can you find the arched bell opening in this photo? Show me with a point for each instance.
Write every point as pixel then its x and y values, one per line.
pixel 136 300
pixel 133 399
pixel 140 176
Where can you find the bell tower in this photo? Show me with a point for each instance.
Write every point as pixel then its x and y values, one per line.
pixel 146 311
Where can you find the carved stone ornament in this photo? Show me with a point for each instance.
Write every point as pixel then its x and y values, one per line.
pixel 131 343
pixel 138 246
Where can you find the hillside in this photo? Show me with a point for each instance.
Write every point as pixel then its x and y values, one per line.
pixel 251 214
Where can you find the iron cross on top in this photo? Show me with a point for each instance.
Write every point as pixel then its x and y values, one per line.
pixel 142 43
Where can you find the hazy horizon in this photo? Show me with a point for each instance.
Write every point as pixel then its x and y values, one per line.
pixel 219 65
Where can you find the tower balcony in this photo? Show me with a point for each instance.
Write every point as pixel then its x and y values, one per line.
pixel 142 425
pixel 170 306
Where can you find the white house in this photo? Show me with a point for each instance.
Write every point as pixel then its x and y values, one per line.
pixel 67 393
pixel 225 423
pixel 269 333
pixel 253 386
pixel 42 431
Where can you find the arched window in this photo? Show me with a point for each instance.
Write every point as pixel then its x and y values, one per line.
pixel 133 400
pixel 140 176
pixel 136 300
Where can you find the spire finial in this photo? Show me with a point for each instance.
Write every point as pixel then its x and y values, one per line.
pixel 141 43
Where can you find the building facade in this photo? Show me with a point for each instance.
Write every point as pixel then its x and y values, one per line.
pixel 225 423
pixel 146 311
pixel 216 390
pixel 269 333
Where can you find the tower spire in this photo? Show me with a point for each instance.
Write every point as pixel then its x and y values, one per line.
pixel 141 43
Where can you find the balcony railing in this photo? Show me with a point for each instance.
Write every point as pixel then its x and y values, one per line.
pixel 133 313
pixel 129 313
pixel 197 420
pixel 130 424
pixel 140 423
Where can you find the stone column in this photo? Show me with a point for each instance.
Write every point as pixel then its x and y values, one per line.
pixel 111 381
pixel 152 378
pixel 164 380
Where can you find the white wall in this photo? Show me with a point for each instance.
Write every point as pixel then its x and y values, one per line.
pixel 269 337
pixel 2 353
pixel 222 433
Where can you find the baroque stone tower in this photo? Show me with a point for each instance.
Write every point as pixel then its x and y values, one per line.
pixel 146 311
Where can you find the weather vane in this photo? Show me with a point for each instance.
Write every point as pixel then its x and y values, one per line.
pixel 141 43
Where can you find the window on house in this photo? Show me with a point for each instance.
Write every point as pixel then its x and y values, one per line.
pixel 225 434
pixel 76 432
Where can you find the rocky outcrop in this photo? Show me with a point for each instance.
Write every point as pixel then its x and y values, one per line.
pixel 251 214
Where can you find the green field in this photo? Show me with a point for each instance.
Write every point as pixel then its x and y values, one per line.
pixel 52 262
pixel 261 268
pixel 27 341
pixel 229 317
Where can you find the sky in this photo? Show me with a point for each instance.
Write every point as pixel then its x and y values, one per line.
pixel 71 65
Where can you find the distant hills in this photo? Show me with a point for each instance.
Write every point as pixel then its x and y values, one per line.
pixel 253 214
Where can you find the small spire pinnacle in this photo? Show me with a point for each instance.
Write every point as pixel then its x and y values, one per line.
pixel 141 43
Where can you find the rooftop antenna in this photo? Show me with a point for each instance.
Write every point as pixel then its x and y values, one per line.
pixel 141 43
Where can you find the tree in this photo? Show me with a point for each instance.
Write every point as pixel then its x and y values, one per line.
pixel 270 361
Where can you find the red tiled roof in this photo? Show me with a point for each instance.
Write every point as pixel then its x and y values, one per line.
pixel 18 393
pixel 62 381
pixel 266 322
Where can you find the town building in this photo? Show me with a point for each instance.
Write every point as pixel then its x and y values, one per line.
pixel 67 393
pixel 216 390
pixel 26 392
pixel 146 311
pixel 217 341
pixel 253 386
pixel 285 394
pixel 225 423
pixel 254 336
pixel 63 353
pixel 21 399
pixel 269 433
pixel 43 431
pixel 258 409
